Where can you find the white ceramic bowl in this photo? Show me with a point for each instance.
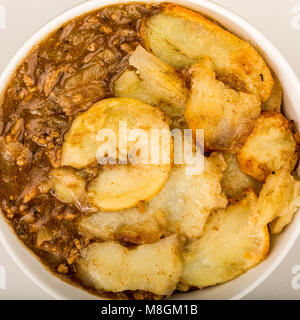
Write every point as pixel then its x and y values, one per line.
pixel 280 245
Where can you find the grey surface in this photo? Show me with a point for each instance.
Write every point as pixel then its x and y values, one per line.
pixel 279 20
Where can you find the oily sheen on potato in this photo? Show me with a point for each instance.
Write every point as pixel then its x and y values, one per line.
pixel 154 82
pixel 225 115
pixel 181 37
pixel 231 245
pixel 270 147
pixel 154 268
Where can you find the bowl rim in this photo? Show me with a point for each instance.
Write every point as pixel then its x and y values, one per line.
pixel 260 41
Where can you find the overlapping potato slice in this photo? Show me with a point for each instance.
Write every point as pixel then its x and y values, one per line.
pixel 120 186
pixel 230 245
pixel 81 145
pixel 270 147
pixel 182 37
pixel 225 115
pixel 182 206
pixel 234 181
pixel 128 226
pixel 188 200
pixel 278 201
pixel 275 100
pixel 156 83
pixel 124 186
pixel 154 268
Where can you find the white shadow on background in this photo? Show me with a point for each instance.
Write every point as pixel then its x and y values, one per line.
pixel 2 18
pixel 2 278
pixel 296 18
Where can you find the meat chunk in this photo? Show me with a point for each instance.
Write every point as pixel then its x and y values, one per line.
pixel 14 157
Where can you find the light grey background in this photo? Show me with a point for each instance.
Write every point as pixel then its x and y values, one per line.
pixel 279 20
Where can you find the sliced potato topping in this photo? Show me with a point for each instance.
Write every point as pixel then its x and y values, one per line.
pixel 230 245
pixel 124 186
pixel 278 201
pixel 275 101
pixel 156 83
pixel 128 226
pixel 182 206
pixel 188 200
pixel 182 37
pixel 225 115
pixel 270 147
pixel 81 145
pixel 154 268
pixel 119 186
pixel 234 181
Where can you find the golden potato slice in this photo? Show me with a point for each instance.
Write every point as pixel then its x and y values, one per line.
pixel 182 206
pixel 188 200
pixel 124 186
pixel 182 37
pixel 270 147
pixel 156 83
pixel 230 245
pixel 234 182
pixel 275 101
pixel 128 226
pixel 278 201
pixel 81 145
pixel 225 114
pixel 154 268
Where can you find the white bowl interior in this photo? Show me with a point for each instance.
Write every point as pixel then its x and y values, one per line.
pixel 280 245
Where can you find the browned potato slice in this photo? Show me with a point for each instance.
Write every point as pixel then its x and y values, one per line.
pixel 182 206
pixel 188 200
pixel 124 186
pixel 234 181
pixel 270 147
pixel 275 101
pixel 156 83
pixel 230 245
pixel 154 268
pixel 182 37
pixel 225 114
pixel 278 201
pixel 129 226
pixel 81 145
